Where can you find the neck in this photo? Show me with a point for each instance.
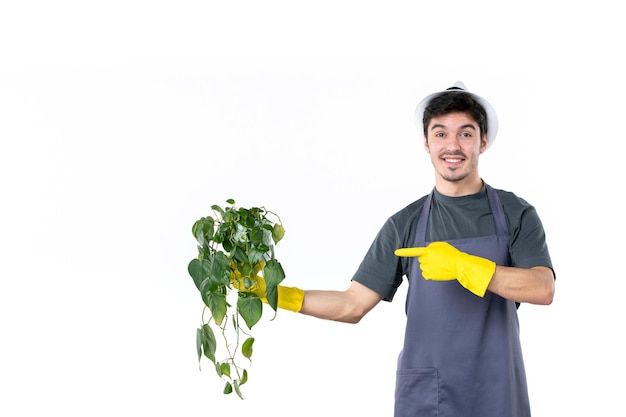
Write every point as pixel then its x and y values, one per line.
pixel 458 188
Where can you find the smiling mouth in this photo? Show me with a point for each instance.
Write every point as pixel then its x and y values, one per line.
pixel 453 159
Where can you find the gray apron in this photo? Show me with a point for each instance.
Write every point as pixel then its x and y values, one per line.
pixel 462 354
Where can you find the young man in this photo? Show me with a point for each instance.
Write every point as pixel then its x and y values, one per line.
pixel 471 254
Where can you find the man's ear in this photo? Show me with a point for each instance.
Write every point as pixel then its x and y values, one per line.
pixel 426 144
pixel 483 143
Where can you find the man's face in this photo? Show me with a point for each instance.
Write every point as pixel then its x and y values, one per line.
pixel 454 145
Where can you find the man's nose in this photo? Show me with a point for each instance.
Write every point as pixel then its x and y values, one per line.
pixel 452 142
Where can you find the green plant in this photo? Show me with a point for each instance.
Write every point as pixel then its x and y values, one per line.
pixel 235 271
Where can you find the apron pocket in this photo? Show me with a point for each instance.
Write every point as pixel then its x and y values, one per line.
pixel 417 392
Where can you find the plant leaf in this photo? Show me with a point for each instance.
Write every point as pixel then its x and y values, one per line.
pixel 257 254
pixel 219 270
pixel 274 275
pixel 216 302
pixel 246 348
pixel 228 389
pixel 203 229
pixel 278 232
pixel 250 308
pixel 209 343
pixel 257 235
pixel 225 368
pixel 199 271
pixel 199 343
pixel 218 209
pixel 237 389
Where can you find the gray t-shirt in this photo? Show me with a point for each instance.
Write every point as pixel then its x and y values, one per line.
pixel 451 218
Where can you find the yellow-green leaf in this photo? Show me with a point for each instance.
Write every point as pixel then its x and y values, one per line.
pixel 246 348
pixel 278 232
pixel 225 369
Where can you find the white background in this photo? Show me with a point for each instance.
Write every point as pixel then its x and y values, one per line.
pixel 122 122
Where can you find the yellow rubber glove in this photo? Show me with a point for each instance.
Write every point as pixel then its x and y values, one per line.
pixel 440 261
pixel 289 298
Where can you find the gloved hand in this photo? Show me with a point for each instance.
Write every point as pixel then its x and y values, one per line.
pixel 440 261
pixel 289 298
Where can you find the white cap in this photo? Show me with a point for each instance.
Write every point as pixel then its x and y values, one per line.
pixel 492 117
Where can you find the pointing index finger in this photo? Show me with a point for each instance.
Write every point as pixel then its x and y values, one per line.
pixel 409 251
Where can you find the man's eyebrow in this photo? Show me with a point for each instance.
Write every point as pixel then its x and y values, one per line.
pixel 465 126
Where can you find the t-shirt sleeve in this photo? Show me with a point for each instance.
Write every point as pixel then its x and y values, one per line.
pixel 528 246
pixel 381 270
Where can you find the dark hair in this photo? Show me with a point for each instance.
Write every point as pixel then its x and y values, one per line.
pixel 455 101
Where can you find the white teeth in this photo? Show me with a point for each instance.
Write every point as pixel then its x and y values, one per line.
pixel 453 160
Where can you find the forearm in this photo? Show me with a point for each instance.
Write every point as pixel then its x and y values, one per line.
pixel 345 306
pixel 524 285
pixel 328 305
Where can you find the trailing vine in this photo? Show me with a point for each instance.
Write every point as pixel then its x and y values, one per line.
pixel 235 272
